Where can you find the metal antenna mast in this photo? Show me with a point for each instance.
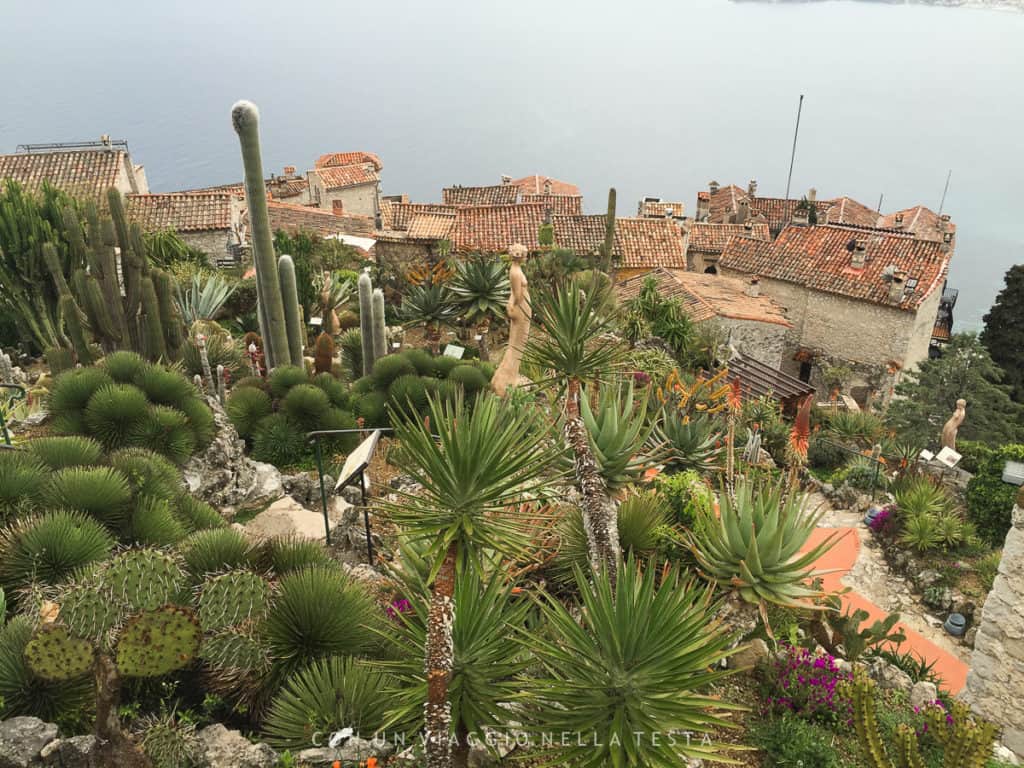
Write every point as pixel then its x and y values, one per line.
pixel 792 156
pixel 945 190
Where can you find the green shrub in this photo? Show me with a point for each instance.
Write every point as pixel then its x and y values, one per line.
pixel 166 431
pixel 124 366
pixel 972 454
pixel 22 476
pixel 421 360
pixel 196 515
pixel 823 453
pixel 200 420
pixel 443 366
pixel 861 473
pixel 792 742
pixel 47 549
pixel 69 451
pixel 362 386
pixel 470 377
pixel 389 368
pixel 246 407
pixel 285 377
pixel 148 473
pixel 217 550
pixel 328 695
pixel 115 413
pixel 306 405
pixel 687 495
pixel 280 442
pixel 153 524
pixel 163 387
pixel 372 408
pixel 70 394
pixel 990 500
pixel 988 567
pixel 101 492
pixel 407 391
pixel 290 553
pixel 336 392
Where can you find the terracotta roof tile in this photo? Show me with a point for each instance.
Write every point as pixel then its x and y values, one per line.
pixel 712 238
pixel 560 205
pixel 400 215
pixel 195 212
pixel 431 226
pixel 87 172
pixel 819 258
pixel 295 218
pixel 536 185
pixel 708 296
pixel 334 159
pixel 777 212
pixel 493 228
pixel 922 222
pixel 342 176
pixel 661 208
pixel 846 210
pixel 498 194
pixel 723 203
pixel 639 243
pixel 238 190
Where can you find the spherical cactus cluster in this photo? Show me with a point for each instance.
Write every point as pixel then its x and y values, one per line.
pixel 231 599
pixel 144 579
pixel 54 655
pixel 157 642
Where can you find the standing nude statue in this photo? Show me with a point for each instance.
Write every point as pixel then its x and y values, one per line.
pixel 949 431
pixel 519 316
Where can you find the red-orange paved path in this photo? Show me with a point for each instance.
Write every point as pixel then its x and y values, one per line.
pixel 842 557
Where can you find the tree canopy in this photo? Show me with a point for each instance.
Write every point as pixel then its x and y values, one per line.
pixel 1004 331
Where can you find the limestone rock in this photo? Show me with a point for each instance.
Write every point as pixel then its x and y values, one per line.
pixel 75 752
pixel 890 677
pixel 750 655
pixel 353 751
pixel 364 573
pixel 286 517
pixel 923 694
pixel 221 748
pixel 1004 755
pixel 22 739
pixel 927 578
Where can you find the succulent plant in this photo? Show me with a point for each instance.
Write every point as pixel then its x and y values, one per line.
pixel 143 579
pixel 67 451
pixel 55 655
pixel 157 642
pixel 754 545
pixel 168 742
pixel 231 599
pixel 694 442
pixel 620 436
pixel 167 431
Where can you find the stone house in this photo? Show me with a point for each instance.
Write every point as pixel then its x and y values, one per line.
pixel 640 244
pixel 496 194
pixel 656 208
pixel 757 324
pixel 346 182
pixel 861 298
pixel 85 169
pixel 212 222
pixel 704 241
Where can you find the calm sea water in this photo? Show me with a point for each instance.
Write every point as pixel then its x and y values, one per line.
pixel 654 98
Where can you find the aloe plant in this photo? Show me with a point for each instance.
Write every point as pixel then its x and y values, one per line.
pixel 620 436
pixel 692 442
pixel 203 298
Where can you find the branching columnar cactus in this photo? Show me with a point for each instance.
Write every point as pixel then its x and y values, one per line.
pixel 271 310
pixel 365 286
pixel 292 312
pixel 608 245
pixel 380 340
pixel 966 741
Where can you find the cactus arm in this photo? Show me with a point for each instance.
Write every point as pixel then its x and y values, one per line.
pixel 170 317
pixel 245 118
pixel 380 338
pixel 608 245
pixel 153 343
pixel 290 298
pixel 76 330
pixel 865 722
pixel 116 205
pixel 909 754
pixel 366 321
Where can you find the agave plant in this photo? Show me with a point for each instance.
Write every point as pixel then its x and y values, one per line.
pixel 431 307
pixel 754 546
pixel 693 442
pixel 627 668
pixel 620 436
pixel 335 292
pixel 204 297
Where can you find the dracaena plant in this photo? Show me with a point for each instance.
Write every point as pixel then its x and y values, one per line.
pixel 627 671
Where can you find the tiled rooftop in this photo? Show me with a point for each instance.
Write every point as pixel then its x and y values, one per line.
pixel 334 159
pixel 431 226
pixel 712 238
pixel 494 228
pixel 498 194
pixel 922 222
pixel 639 243
pixel 560 205
pixel 846 210
pixel 193 212
pixel 662 208
pixel 777 212
pixel 708 296
pixel 820 258
pixel 295 218
pixel 400 215
pixel 342 176
pixel 87 172
pixel 537 184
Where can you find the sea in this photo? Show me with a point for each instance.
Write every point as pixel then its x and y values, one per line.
pixel 654 98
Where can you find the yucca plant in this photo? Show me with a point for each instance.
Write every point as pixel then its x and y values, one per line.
pixel 484 461
pixel 246 407
pixel 164 387
pixel 431 307
pixel 115 413
pixel 203 298
pixel 922 495
pixel 306 406
pixel 124 365
pixel 693 442
pixel 631 665
pixel 328 695
pixel 857 427
pixel 196 515
pixel 22 476
pixel 101 492
pixel 148 473
pixel 486 663
pixel 284 554
pixel 68 451
pixel 70 394
pixel 921 531
pixel 154 524
pixel 284 377
pixel 572 347
pixel 753 546
pixel 481 289
pixel 166 431
pixel 620 436
pixel 212 551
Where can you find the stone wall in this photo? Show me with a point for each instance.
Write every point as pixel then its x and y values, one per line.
pixel 996 678
pixel 214 243
pixel 363 199
pixel 765 342
pixel 399 258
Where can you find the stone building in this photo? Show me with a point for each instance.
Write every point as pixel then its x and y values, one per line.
pixel 85 169
pixel 704 242
pixel 303 218
pixel 757 325
pixel 640 244
pixel 865 299
pixel 656 208
pixel 346 182
pixel 208 221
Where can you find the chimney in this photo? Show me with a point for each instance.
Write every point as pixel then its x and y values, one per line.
pixel 752 188
pixel 812 195
pixel 947 237
pixel 703 206
pixel 713 186
pixel 944 217
pixel 289 170
pixel 547 186
pixel 899 220
pixel 506 179
pixel 859 256
pixel 754 287
pixel 742 211
pixel 338 207
pixel 897 286
pixel 800 216
pixel 748 228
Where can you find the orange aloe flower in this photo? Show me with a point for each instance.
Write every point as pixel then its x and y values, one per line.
pixel 799 436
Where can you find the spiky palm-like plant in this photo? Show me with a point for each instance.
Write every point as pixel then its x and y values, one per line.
pixel 246 407
pixel 164 387
pixel 166 430
pixel 630 668
pixel 753 546
pixel 620 436
pixel 148 473
pixel 203 298
pixel 694 442
pixel 212 551
pixel 431 307
pixel 484 461
pixel 572 347
pixel 68 451
pixel 101 492
pixel 124 365
pixel 21 478
pixel 114 413
pixel 481 288
pixel 69 395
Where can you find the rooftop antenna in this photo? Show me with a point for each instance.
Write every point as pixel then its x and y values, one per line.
pixel 880 198
pixel 945 190
pixel 792 157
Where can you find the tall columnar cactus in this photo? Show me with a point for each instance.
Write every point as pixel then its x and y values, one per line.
pixel 222 384
pixel 292 313
pixel 380 339
pixel 608 245
pixel 6 369
pixel 366 321
pixel 68 307
pixel 273 328
pixel 170 316
pixel 208 383
pixel 323 353
pixel 153 344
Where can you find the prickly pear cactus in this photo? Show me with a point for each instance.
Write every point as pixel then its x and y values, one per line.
pixel 157 642
pixel 231 599
pixel 89 611
pixel 55 655
pixel 235 653
pixel 144 579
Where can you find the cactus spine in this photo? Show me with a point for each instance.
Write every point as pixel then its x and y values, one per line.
pixel 6 371
pixel 380 338
pixel 366 321
pixel 292 314
pixel 246 120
